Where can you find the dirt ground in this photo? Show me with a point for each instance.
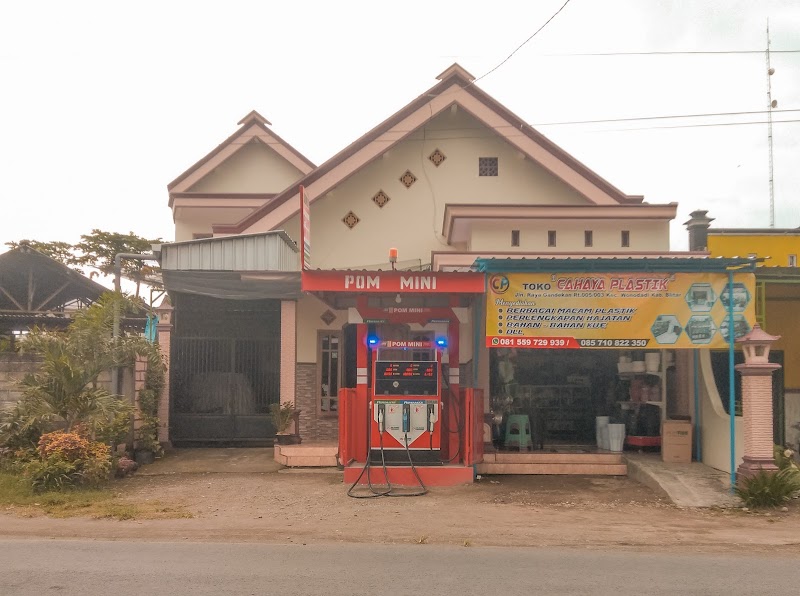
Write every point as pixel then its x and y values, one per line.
pixel 306 507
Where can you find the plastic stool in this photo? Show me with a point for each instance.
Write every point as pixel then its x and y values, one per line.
pixel 518 432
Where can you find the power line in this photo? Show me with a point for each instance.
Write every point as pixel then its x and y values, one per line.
pixel 699 125
pixel 678 53
pixel 520 46
pixel 709 115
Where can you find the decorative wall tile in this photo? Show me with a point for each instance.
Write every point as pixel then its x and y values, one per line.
pixel 437 157
pixel 350 220
pixel 408 179
pixel 328 317
pixel 380 199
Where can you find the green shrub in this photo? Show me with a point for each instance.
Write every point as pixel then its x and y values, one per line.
pixel 768 489
pixel 67 460
pixel 784 458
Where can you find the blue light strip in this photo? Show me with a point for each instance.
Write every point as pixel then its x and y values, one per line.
pixel 731 379
pixel 697 409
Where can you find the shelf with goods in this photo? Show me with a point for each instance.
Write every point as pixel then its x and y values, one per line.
pixel 665 364
pixel 564 410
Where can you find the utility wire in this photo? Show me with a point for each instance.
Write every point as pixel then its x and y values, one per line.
pixel 709 115
pixel 520 46
pixel 679 53
pixel 698 125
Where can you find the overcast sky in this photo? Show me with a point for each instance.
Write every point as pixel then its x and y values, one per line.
pixel 104 103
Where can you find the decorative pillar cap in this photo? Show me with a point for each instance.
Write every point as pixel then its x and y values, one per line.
pixel 756 344
pixel 758 335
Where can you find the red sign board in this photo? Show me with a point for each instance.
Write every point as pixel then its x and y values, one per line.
pixel 393 282
pixel 393 343
pixel 305 228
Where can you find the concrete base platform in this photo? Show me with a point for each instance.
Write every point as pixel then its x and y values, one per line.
pixel 559 463
pixel 309 455
pixel 686 485
pixel 404 475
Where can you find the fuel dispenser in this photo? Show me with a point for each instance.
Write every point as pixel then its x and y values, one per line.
pixel 406 404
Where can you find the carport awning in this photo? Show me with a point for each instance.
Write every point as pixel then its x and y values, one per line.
pixel 245 267
pixel 235 285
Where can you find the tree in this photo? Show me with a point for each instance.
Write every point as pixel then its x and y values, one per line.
pixel 99 248
pixel 65 392
pixel 63 252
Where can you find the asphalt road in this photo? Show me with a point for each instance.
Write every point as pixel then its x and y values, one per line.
pixel 122 568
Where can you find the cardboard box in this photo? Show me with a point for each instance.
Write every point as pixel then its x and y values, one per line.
pixel 676 441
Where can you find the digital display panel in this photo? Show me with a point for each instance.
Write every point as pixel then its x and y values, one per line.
pixel 406 378
pixel 406 370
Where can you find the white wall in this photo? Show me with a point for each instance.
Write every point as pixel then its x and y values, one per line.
pixel 253 168
pixel 606 235
pixel 309 309
pixel 199 220
pixel 715 422
pixel 412 220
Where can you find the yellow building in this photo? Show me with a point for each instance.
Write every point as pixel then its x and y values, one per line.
pixel 777 299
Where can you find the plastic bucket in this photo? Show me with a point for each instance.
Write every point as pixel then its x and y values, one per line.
pixel 652 360
pixel 616 437
pixel 600 423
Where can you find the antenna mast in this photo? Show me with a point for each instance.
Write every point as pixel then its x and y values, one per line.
pixel 770 104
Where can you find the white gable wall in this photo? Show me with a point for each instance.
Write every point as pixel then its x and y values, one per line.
pixel 253 168
pixel 412 220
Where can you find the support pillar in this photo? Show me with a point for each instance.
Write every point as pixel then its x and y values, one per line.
pixel 288 351
pixel 757 403
pixel 164 333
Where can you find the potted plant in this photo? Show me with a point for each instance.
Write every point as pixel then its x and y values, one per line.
pixel 282 416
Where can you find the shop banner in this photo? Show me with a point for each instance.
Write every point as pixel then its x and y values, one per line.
pixel 616 310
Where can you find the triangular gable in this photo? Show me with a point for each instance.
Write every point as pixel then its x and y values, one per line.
pixel 252 127
pixel 456 87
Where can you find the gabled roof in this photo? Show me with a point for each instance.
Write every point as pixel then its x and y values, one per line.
pixel 455 87
pixel 253 126
pixel 31 282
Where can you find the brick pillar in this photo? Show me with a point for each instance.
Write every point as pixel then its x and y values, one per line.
pixel 757 413
pixel 288 352
pixel 139 373
pixel 164 331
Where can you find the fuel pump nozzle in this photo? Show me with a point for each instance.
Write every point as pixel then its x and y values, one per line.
pixel 381 418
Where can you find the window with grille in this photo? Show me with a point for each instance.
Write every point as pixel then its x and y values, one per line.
pixel 792 261
pixel 328 371
pixel 551 238
pixel 588 238
pixel 625 239
pixel 487 166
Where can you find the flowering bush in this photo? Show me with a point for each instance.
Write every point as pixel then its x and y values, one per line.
pixel 67 460
pixel 125 467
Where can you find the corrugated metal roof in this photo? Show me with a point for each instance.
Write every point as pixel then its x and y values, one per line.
pixel 612 265
pixel 267 251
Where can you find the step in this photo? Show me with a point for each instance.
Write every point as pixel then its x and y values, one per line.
pixel 574 469
pixel 306 456
pixel 553 458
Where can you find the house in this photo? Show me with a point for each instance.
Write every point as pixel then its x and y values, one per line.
pixel 451 180
pixel 777 303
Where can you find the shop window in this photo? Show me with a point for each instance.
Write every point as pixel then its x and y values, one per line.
pixel 424 354
pixel 792 261
pixel 487 166
pixel 588 239
pixel 514 237
pixel 551 238
pixel 625 239
pixel 328 371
